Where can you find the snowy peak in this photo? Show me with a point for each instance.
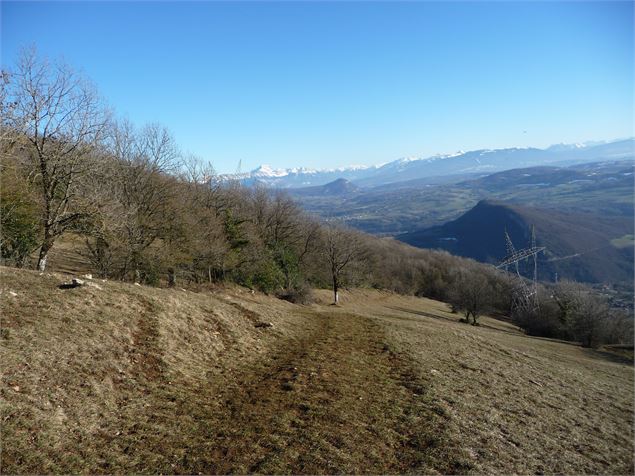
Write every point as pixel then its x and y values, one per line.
pixel 268 171
pixel 458 163
pixel 562 147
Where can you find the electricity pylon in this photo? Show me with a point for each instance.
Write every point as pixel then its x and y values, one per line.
pixel 525 294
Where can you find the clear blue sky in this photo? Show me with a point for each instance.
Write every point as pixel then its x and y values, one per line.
pixel 329 84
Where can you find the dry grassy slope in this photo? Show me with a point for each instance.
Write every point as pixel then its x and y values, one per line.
pixel 518 404
pixel 82 366
pixel 121 378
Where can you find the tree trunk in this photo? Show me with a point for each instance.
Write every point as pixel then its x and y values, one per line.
pixel 44 253
pixel 467 316
pixel 335 288
pixel 41 262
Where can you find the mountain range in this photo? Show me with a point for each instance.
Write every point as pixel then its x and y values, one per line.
pixel 477 162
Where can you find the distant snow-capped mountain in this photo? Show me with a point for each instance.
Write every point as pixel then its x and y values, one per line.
pixel 267 171
pixel 409 168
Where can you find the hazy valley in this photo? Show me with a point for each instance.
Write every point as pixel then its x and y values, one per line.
pixel 596 188
pixel 583 214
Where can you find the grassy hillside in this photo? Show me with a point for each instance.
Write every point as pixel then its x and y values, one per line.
pixel 111 378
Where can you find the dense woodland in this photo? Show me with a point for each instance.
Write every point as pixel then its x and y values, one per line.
pixel 147 212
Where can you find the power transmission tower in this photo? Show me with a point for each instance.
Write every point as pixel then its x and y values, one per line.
pixel 525 294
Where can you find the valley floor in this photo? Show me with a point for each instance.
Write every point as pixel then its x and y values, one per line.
pixel 116 378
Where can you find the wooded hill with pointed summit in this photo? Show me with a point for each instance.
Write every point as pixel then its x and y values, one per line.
pixel 579 246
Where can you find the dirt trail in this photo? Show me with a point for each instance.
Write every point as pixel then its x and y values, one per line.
pixel 337 400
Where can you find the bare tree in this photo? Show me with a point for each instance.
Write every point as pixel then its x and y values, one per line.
pixel 471 293
pixel 144 192
pixel 585 314
pixel 342 248
pixel 8 104
pixel 61 118
pixel 202 204
pixel 159 151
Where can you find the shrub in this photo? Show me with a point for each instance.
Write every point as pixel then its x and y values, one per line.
pixel 544 321
pixel 471 293
pixel 19 220
pixel 299 294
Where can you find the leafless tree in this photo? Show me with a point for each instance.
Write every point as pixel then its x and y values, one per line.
pixel 145 192
pixel 342 248
pixel 60 117
pixel 472 293
pixel 159 151
pixel 8 105
pixel 202 204
pixel 135 199
pixel 585 314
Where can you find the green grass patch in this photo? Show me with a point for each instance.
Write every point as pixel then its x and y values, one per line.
pixel 624 241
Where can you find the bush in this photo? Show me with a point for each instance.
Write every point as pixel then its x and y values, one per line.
pixel 544 321
pixel 299 294
pixel 262 274
pixel 575 312
pixel 472 293
pixel 19 235
pixel 19 221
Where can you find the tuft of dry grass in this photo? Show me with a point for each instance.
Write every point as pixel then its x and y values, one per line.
pixel 117 378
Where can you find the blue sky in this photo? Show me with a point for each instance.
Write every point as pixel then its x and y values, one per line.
pixel 329 84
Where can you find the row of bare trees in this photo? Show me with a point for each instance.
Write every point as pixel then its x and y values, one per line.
pixel 143 209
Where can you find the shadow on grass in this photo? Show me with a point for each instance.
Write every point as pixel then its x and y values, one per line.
pixel 594 353
pixel 69 286
pixel 448 319
pixel 608 356
pixel 482 326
